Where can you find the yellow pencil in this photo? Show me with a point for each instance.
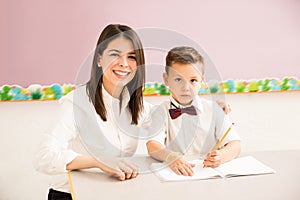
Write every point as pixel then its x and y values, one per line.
pixel 71 186
pixel 222 139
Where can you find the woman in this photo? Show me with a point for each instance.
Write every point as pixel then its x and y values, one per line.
pixel 113 94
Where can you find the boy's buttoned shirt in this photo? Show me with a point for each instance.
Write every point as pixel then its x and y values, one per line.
pixel 197 134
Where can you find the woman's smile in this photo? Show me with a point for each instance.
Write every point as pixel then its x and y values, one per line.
pixel 121 73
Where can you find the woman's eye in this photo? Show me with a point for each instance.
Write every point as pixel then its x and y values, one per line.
pixel 114 54
pixel 132 57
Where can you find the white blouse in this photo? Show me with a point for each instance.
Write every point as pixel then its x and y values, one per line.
pixel 81 131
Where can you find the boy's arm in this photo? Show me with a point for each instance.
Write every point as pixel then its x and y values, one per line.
pixel 230 151
pixel 157 150
pixel 174 159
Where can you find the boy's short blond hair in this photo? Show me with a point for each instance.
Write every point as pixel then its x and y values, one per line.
pixel 184 55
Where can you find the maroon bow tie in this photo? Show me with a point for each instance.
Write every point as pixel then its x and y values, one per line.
pixel 176 112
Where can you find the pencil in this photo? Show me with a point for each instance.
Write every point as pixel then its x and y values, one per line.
pixel 71 186
pixel 222 139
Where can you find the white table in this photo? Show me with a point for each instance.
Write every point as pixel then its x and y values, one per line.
pixel 284 184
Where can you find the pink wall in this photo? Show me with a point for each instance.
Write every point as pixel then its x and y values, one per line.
pixel 47 41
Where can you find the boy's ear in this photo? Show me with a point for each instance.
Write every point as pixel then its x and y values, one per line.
pixel 165 77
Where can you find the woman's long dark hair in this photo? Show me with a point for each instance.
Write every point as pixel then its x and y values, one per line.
pixel 135 86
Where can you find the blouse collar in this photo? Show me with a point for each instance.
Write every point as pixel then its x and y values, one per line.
pixel 112 101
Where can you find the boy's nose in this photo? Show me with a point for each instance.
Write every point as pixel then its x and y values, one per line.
pixel 186 86
pixel 123 61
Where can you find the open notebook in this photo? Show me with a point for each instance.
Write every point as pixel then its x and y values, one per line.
pixel 242 166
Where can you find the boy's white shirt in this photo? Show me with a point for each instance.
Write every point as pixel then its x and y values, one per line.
pixel 197 134
pixel 64 143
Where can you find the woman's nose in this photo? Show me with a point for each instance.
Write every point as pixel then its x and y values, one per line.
pixel 123 61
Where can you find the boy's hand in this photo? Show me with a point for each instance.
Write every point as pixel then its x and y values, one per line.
pixel 213 159
pixel 182 167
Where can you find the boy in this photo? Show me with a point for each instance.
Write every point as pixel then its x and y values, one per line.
pixel 194 125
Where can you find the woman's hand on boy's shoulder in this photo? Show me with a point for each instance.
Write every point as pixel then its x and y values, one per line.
pixel 225 106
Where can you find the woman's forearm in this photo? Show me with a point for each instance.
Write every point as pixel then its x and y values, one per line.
pixel 83 162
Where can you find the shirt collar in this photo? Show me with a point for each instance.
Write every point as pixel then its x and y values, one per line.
pixel 115 101
pixel 196 103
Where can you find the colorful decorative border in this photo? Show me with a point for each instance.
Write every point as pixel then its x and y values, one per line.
pixel 34 92
pixel 56 91
pixel 234 86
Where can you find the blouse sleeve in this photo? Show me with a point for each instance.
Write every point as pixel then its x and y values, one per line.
pixel 54 154
pixel 154 121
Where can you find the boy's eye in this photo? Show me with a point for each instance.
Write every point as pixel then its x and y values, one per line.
pixel 177 79
pixel 194 80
